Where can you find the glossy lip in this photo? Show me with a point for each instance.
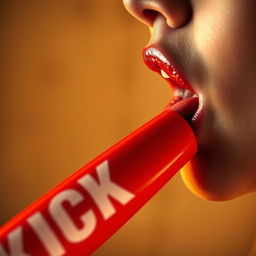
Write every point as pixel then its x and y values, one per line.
pixel 156 61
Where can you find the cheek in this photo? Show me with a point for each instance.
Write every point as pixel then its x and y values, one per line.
pixel 226 40
pixel 232 86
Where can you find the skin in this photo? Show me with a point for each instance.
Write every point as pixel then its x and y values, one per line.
pixel 213 43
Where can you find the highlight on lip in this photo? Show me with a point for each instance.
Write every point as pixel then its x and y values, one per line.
pixel 164 75
pixel 157 62
pixel 184 99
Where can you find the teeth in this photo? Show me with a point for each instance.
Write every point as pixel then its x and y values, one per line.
pixel 179 92
pixel 164 75
pixel 183 93
pixel 187 94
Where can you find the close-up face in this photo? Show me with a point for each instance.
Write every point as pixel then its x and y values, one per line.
pixel 212 42
pixel 94 92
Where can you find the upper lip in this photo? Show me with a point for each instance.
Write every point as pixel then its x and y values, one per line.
pixel 157 61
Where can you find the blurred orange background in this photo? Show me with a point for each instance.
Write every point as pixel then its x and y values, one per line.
pixel 73 83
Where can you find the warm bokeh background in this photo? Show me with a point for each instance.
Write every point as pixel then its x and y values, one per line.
pixel 72 83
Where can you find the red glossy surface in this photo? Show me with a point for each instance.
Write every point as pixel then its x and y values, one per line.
pixel 156 60
pixel 138 166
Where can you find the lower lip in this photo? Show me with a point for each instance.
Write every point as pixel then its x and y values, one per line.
pixel 191 109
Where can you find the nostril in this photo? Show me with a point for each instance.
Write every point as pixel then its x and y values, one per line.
pixel 150 16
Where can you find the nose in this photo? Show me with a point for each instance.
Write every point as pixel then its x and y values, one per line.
pixel 176 12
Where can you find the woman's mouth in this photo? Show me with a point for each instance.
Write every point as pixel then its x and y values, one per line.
pixel 185 100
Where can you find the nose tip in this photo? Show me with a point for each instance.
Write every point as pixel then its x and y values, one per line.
pixel 176 12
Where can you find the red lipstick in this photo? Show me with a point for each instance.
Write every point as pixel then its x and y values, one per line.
pixel 157 62
pixel 184 96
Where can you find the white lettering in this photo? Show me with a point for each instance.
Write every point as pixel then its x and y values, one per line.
pixel 15 244
pixel 46 235
pixel 101 191
pixel 63 220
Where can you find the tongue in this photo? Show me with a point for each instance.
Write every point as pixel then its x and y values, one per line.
pixel 186 107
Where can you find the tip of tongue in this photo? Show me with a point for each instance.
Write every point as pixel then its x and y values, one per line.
pixel 187 108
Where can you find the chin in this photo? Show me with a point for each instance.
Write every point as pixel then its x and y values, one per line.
pixel 209 182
